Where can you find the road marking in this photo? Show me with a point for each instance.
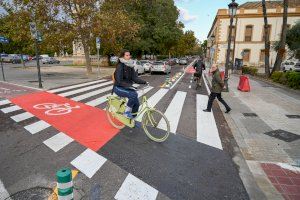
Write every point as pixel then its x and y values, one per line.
pixel 10 109
pixel 22 116
pixel 98 101
pixel 145 91
pixel 190 86
pixel 4 102
pixel 37 126
pixel 178 80
pixel 89 162
pixel 173 111
pixel 22 86
pixel 154 99
pixel 207 131
pixel 75 86
pixel 58 141
pixel 133 189
pixel 93 93
pixel 3 192
pixel 65 94
pixel 207 88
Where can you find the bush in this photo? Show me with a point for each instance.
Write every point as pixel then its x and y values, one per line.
pixel 249 70
pixel 292 79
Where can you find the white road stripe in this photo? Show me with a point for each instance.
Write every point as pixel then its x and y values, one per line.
pixel 207 131
pixel 10 109
pixel 98 101
pixel 93 93
pixel 173 111
pixel 3 192
pixel 75 86
pixel 65 94
pixel 89 162
pixel 190 86
pixel 207 88
pixel 58 141
pixel 37 126
pixel 143 92
pixel 154 99
pixel 4 102
pixel 133 189
pixel 22 116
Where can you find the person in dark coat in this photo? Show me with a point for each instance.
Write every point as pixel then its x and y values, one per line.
pixel 199 67
pixel 217 85
pixel 125 76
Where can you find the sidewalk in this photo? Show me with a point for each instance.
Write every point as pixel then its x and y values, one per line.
pixel 268 139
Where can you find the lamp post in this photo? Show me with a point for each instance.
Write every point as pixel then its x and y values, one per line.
pixel 232 12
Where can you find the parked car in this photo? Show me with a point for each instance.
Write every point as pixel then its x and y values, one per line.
pixel 114 59
pixel 288 65
pixel 138 67
pixel 34 58
pixel 50 60
pixel 147 65
pixel 183 61
pixel 160 66
pixel 297 67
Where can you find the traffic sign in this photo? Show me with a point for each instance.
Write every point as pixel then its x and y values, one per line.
pixel 39 36
pixel 98 42
pixel 32 26
pixel 4 40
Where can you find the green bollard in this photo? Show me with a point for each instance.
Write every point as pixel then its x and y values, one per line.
pixel 64 184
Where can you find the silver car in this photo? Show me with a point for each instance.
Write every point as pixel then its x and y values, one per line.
pixel 147 65
pixel 161 66
pixel 182 61
pixel 138 67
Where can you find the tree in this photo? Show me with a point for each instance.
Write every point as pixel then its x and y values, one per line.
pixel 293 39
pixel 82 14
pixel 282 44
pixel 186 43
pixel 267 40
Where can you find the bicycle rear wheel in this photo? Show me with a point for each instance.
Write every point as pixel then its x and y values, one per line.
pixel 156 125
pixel 112 118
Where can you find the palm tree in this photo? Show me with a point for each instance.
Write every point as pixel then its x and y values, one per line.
pixel 282 43
pixel 267 40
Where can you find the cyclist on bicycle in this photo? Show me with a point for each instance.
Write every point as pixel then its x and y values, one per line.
pixel 125 76
pixel 199 67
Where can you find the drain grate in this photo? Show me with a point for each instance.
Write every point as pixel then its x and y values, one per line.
pixel 293 116
pixel 283 135
pixel 250 114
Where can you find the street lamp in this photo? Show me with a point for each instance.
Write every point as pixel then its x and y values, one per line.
pixel 232 12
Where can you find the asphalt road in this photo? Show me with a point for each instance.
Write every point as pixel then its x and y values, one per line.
pixel 191 164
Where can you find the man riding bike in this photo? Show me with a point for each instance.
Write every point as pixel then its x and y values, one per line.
pixel 125 76
pixel 199 67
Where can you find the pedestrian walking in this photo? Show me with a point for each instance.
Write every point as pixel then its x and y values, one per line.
pixel 217 85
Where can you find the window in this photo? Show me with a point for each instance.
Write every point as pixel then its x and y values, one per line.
pixel 248 33
pixel 263 32
pixel 232 34
pixel 246 56
pixel 262 55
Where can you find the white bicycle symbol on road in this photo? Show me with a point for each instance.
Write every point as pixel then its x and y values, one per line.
pixel 55 109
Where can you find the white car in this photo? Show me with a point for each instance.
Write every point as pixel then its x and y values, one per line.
pixel 138 67
pixel 288 65
pixel 161 66
pixel 182 61
pixel 147 65
pixel 114 59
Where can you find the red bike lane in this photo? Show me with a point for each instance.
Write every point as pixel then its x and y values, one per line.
pixel 85 124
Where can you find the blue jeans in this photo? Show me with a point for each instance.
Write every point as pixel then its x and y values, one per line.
pixel 133 100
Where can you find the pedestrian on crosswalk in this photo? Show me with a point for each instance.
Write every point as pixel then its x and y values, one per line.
pixel 217 85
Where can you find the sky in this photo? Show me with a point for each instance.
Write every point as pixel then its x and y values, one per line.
pixel 198 15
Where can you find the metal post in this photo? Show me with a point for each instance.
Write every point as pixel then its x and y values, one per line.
pixel 228 55
pixel 98 57
pixel 38 63
pixel 2 63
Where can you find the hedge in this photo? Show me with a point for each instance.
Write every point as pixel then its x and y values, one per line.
pixel 291 78
pixel 249 70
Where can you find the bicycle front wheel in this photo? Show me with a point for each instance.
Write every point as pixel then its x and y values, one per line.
pixel 156 125
pixel 112 118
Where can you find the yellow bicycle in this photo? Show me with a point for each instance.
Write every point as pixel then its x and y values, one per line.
pixel 155 123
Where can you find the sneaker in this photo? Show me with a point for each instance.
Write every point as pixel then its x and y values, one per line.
pixel 227 111
pixel 206 110
pixel 137 124
pixel 128 115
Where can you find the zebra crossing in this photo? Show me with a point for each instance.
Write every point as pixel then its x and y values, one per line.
pixel 95 94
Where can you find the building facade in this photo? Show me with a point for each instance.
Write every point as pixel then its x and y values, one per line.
pixel 248 32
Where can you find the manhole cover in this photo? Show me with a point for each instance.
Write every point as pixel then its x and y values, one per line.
pixel 293 116
pixel 250 114
pixel 283 135
pixel 35 193
pixel 34 81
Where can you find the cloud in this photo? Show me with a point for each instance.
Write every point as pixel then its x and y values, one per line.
pixel 185 16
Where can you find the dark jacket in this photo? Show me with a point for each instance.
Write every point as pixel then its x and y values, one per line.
pixel 125 76
pixel 217 83
pixel 199 66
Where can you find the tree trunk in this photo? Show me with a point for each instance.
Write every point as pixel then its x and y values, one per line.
pixel 87 57
pixel 282 44
pixel 267 40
